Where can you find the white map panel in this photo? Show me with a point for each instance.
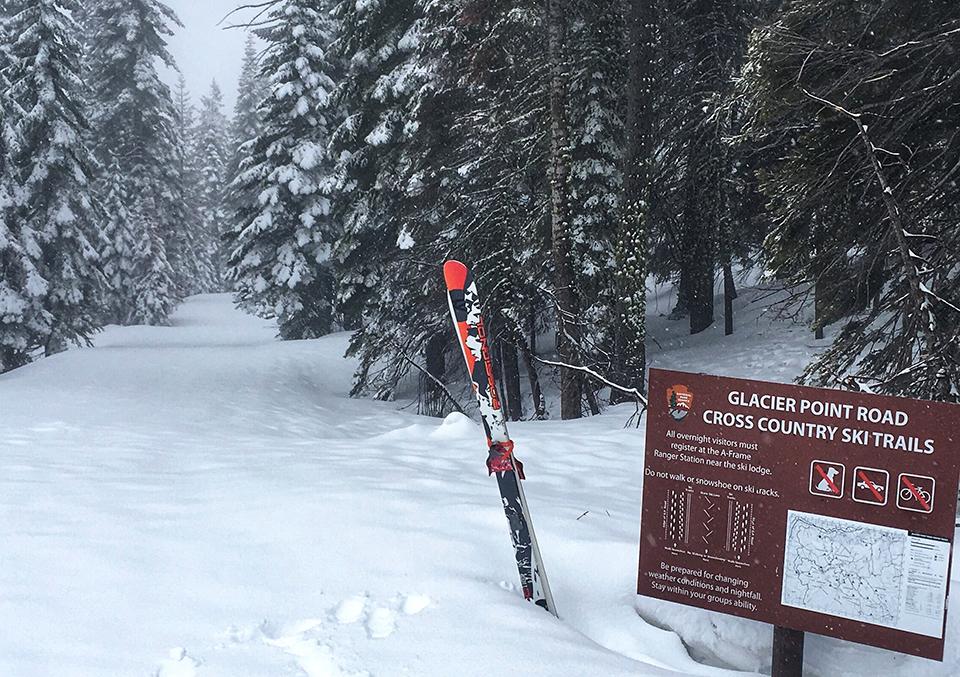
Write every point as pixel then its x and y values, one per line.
pixel 865 572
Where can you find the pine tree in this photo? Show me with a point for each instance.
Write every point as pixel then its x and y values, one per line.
pixel 120 254
pixel 378 43
pixel 631 241
pixel 54 209
pixel 211 157
pixel 282 242
pixel 246 125
pixel 18 274
pixel 190 270
pixel 852 100
pixel 134 117
pixel 394 147
pixel 154 289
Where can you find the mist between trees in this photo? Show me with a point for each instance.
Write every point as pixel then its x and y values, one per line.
pixel 571 151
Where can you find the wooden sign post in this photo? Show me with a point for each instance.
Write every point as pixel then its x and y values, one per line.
pixel 787 653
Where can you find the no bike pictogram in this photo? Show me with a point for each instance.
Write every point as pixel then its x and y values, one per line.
pixel 870 485
pixel 826 478
pixel 915 492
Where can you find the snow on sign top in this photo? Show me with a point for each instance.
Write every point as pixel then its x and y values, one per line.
pixel 770 501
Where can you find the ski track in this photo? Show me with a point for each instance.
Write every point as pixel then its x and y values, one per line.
pixel 202 500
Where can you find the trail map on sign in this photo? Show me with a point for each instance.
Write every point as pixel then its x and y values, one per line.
pixel 865 572
pixel 843 568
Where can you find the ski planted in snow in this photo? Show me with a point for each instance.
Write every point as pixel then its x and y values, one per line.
pixel 465 308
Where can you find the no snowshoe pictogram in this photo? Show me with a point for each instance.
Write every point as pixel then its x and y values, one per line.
pixel 826 478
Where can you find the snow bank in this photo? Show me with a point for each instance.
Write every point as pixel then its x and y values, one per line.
pixel 202 500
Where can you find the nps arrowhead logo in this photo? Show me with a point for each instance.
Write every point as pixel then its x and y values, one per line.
pixel 680 401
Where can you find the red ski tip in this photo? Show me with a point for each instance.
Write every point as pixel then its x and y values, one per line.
pixel 455 273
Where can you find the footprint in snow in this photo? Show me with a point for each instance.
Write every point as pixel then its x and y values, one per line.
pixel 287 635
pixel 351 610
pixel 311 642
pixel 414 604
pixel 304 642
pixel 179 664
pixel 382 623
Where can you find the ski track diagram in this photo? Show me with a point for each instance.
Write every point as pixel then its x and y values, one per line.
pixel 843 568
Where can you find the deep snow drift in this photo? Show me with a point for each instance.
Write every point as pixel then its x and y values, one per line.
pixel 204 500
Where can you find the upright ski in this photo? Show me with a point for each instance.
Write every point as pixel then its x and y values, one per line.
pixel 465 308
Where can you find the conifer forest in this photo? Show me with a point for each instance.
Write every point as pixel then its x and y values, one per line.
pixel 575 152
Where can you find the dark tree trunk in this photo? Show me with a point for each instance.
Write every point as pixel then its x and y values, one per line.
pixel 631 243
pixel 704 211
pixel 729 294
pixel 432 400
pixel 593 402
pixel 699 259
pixel 682 309
pixel 701 302
pixel 536 394
pixel 511 381
pixel 532 329
pixel 819 309
pixel 54 346
pixel 560 161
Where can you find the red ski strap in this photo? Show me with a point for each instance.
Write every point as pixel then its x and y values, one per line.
pixel 501 459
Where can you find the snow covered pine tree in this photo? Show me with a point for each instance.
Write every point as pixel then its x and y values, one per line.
pixel 282 241
pixel 133 119
pixel 56 232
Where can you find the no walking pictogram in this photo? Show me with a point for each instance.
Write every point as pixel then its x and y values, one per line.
pixel 826 478
pixel 870 485
pixel 915 492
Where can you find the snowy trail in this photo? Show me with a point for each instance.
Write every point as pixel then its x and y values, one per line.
pixel 204 500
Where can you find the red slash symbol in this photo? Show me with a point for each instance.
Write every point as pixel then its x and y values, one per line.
pixel 870 485
pixel 833 487
pixel 916 494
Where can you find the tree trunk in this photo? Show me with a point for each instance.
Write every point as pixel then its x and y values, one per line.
pixel 819 309
pixel 701 302
pixel 593 402
pixel 682 309
pixel 432 396
pixel 532 329
pixel 536 394
pixel 705 205
pixel 55 344
pixel 630 356
pixel 560 161
pixel 729 294
pixel 699 216
pixel 921 308
pixel 511 381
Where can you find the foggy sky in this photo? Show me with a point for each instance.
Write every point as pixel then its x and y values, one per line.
pixel 204 50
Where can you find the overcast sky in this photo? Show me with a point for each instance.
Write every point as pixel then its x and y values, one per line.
pixel 204 50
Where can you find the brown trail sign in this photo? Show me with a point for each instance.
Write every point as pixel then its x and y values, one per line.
pixel 771 502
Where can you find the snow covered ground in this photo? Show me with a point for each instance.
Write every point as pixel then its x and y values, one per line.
pixel 203 500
